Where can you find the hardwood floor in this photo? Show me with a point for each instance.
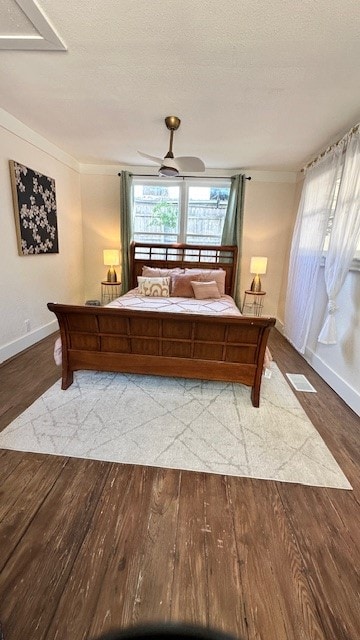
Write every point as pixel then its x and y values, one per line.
pixel 87 546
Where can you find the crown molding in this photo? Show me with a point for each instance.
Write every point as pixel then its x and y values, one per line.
pixel 257 176
pixel 22 131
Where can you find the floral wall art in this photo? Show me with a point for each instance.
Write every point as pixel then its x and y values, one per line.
pixel 35 210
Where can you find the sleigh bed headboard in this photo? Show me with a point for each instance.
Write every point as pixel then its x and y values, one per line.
pixel 189 256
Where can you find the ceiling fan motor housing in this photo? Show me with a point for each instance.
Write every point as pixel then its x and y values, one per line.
pixel 172 122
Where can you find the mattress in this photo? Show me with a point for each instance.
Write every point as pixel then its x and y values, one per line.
pixel 224 306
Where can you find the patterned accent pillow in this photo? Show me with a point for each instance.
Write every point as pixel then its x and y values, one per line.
pixel 208 275
pixel 154 287
pixel 181 285
pixel 205 290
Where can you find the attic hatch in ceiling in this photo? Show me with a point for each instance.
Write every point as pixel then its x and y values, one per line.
pixel 24 26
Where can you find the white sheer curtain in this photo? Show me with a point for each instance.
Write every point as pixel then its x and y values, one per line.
pixel 307 246
pixel 345 232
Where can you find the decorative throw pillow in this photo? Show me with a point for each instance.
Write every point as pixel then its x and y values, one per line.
pixel 205 290
pixel 181 285
pixel 208 275
pixel 153 272
pixel 154 287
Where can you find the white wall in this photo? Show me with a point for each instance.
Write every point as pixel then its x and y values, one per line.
pixel 100 199
pixel 27 283
pixel 339 364
pixel 268 222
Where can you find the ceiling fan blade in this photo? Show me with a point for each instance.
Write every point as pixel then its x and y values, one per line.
pixel 152 158
pixel 189 163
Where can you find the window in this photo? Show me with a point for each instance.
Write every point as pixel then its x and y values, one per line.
pixel 356 261
pixel 332 211
pixel 183 210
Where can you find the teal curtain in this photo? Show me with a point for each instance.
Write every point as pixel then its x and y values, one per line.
pixel 125 228
pixel 233 225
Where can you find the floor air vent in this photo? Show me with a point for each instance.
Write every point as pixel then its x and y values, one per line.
pixel 300 382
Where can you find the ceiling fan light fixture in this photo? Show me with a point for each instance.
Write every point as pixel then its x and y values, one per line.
pixel 171 165
pixel 168 172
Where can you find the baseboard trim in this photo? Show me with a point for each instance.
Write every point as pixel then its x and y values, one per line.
pixel 11 349
pixel 340 386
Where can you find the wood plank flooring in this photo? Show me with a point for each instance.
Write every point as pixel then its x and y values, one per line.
pixel 89 546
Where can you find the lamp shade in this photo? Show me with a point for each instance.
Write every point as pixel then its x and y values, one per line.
pixel 258 264
pixel 111 257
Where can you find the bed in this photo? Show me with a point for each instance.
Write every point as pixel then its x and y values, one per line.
pixel 193 341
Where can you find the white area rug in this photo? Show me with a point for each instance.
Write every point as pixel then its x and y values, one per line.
pixel 182 424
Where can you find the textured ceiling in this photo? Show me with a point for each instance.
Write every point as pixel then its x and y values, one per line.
pixel 263 85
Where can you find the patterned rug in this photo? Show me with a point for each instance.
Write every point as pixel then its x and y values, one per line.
pixel 181 424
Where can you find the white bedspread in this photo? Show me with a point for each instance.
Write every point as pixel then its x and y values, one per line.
pixel 224 306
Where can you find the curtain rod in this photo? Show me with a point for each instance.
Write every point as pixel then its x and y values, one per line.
pixel 152 175
pixel 331 147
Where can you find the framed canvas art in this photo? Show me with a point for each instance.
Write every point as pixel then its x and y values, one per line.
pixel 35 210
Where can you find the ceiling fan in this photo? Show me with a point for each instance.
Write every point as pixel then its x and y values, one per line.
pixel 169 165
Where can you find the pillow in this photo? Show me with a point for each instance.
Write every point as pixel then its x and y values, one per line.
pixel 208 275
pixel 157 272
pixel 154 272
pixel 181 285
pixel 154 287
pixel 205 290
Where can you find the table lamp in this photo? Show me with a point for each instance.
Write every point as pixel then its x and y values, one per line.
pixel 111 258
pixel 258 266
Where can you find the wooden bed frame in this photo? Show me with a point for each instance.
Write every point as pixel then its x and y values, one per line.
pixel 167 344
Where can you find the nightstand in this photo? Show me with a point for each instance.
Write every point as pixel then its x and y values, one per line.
pixel 253 303
pixel 109 291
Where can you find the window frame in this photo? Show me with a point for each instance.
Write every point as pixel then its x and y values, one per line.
pixel 184 185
